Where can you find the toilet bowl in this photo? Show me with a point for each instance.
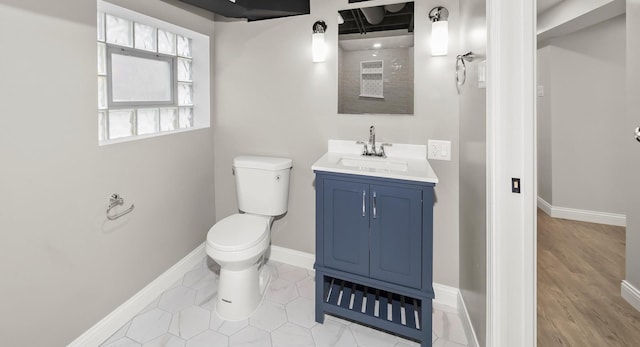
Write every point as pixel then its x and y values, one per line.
pixel 238 242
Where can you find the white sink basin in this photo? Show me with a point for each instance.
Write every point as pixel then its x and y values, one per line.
pixel 403 162
pixel 374 163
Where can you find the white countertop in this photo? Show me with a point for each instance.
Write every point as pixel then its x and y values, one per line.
pixel 403 162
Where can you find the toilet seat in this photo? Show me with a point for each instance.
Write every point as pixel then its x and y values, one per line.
pixel 238 232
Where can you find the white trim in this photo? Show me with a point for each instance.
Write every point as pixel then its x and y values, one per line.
pixel 292 257
pixel 582 215
pixel 545 206
pixel 511 152
pixel 470 332
pixel 446 295
pixel 106 327
pixel 631 294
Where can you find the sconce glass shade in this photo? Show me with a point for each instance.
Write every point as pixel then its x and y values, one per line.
pixel 439 38
pixel 439 30
pixel 318 46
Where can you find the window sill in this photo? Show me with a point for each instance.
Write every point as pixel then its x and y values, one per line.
pixel 147 136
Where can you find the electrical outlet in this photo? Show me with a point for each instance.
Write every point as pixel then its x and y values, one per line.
pixel 439 150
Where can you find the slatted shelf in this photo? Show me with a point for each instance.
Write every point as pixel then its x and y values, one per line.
pixel 398 309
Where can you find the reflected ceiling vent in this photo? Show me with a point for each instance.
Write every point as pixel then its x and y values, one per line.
pixel 374 15
pixel 393 8
pixel 253 9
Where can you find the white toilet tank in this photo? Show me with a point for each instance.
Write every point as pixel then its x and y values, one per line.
pixel 262 184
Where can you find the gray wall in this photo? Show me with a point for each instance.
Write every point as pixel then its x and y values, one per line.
pixel 632 269
pixel 545 190
pixel 473 166
pixel 584 113
pixel 397 82
pixel 272 100
pixel 63 265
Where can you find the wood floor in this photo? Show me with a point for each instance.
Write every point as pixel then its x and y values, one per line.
pixel 580 267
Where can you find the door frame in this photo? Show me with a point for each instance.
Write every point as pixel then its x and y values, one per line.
pixel 511 153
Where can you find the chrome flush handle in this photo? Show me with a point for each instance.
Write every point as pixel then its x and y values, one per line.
pixel 637 133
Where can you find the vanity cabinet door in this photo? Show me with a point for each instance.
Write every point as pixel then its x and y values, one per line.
pixel 396 235
pixel 346 226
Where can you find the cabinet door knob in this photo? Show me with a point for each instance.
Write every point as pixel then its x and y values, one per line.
pixel 364 209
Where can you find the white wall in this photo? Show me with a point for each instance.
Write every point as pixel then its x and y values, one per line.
pixel 272 100
pixel 63 265
pixel 586 93
pixel 473 169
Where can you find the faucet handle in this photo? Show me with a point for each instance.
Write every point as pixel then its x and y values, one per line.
pixel 382 146
pixel 365 149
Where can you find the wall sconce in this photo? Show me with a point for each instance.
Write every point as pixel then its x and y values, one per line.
pixel 439 30
pixel 318 46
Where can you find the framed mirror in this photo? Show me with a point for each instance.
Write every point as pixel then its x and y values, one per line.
pixel 375 59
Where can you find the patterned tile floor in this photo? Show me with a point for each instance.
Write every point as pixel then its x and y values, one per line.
pixel 184 316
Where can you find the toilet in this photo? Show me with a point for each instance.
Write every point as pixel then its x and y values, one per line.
pixel 238 242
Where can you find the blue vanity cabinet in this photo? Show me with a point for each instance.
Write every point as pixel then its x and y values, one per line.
pixel 374 252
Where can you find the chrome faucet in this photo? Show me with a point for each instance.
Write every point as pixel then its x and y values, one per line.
pixel 372 141
pixel 369 149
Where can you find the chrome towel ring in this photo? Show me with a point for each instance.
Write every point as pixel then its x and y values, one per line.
pixel 117 200
pixel 461 67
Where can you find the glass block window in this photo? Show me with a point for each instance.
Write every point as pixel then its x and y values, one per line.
pixel 145 79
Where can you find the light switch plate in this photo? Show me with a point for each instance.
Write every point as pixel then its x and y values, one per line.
pixel 439 150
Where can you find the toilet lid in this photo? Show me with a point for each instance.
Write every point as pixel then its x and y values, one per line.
pixel 238 232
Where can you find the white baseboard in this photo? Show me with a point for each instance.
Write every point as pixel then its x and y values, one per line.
pixel 446 295
pixel 582 215
pixel 545 206
pixel 472 338
pixel 102 330
pixel 631 294
pixel 292 257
